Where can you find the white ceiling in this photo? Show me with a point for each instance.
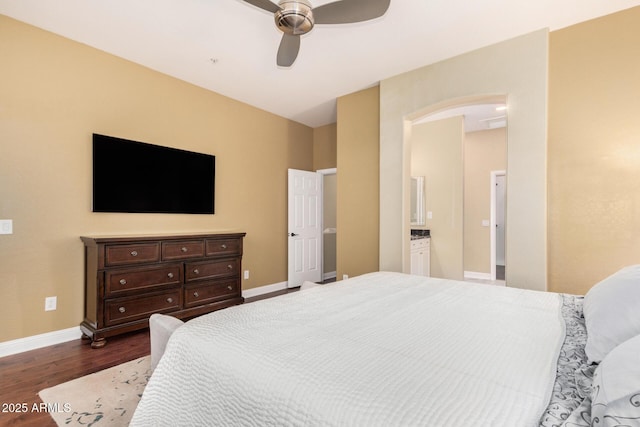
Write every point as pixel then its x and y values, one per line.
pixel 229 46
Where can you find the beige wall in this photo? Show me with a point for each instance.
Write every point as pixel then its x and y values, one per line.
pixel 594 150
pixel 54 93
pixel 484 151
pixel 437 154
pixel 515 68
pixel 324 147
pixel 358 182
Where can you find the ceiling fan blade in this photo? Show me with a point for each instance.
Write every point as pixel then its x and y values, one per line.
pixel 288 50
pixel 347 11
pixel 264 4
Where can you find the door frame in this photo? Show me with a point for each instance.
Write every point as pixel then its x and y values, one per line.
pixel 494 178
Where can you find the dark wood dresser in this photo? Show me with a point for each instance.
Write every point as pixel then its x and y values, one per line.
pixel 128 278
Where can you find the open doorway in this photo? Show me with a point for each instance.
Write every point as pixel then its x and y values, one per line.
pixel 458 195
pixel 329 230
pixel 498 224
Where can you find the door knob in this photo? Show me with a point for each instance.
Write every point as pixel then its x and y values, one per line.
pixel 293 234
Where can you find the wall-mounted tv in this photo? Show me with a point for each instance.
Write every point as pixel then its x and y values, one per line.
pixel 137 177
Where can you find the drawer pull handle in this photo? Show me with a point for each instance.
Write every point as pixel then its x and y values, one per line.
pixel 196 271
pixel 223 246
pixel 123 282
pixel 230 287
pixel 195 294
pixel 170 275
pixel 134 253
pixel 169 300
pixel 184 249
pixel 230 267
pixel 122 309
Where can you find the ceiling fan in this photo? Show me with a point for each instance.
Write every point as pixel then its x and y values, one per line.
pixel 296 17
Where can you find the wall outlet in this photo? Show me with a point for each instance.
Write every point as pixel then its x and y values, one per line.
pixel 246 274
pixel 345 276
pixel 50 303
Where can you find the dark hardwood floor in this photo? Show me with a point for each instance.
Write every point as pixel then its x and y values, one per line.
pixel 23 375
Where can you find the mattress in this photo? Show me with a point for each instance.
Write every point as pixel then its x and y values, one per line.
pixel 382 349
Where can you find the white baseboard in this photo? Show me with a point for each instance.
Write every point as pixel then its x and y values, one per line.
pixel 330 275
pixel 476 275
pixel 266 289
pixel 254 292
pixel 20 345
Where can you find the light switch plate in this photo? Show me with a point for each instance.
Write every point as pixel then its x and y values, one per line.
pixel 50 303
pixel 6 226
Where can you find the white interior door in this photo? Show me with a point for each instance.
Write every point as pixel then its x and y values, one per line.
pixel 305 227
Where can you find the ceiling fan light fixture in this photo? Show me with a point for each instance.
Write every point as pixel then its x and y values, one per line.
pixel 295 17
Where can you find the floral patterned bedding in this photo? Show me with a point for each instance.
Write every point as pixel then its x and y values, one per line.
pixel 570 404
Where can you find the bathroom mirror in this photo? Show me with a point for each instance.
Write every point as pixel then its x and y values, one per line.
pixel 417 200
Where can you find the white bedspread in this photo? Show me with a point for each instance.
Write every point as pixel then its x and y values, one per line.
pixel 382 349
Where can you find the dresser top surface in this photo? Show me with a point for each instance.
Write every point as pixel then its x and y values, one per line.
pixel 123 238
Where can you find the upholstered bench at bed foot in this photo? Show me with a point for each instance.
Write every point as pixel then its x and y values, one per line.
pixel 161 327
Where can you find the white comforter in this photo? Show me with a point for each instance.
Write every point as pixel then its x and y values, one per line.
pixel 382 349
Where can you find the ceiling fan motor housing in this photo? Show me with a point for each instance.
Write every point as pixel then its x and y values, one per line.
pixel 294 17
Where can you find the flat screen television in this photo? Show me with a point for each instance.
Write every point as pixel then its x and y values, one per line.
pixel 136 177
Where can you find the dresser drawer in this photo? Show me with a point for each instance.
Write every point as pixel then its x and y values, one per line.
pixel 224 247
pixel 127 309
pixel 132 254
pixel 211 269
pixel 206 293
pixel 123 280
pixel 183 250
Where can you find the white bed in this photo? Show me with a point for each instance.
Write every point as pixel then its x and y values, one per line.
pixel 382 349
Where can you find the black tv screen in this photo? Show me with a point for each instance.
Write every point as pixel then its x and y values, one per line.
pixel 137 177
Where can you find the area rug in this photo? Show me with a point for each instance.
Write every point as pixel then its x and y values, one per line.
pixel 105 398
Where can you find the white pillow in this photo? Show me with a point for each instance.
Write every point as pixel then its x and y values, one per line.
pixel 612 312
pixel 615 397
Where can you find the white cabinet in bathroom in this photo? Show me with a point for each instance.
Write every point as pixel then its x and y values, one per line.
pixel 420 257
